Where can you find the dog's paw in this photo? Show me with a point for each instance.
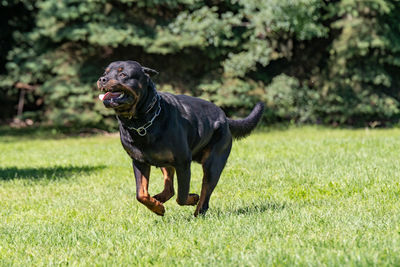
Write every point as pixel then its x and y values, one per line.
pixel 160 197
pixel 158 209
pixel 192 199
pixel 163 196
pixel 200 210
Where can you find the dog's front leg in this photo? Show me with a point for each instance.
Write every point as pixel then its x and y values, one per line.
pixel 168 191
pixel 142 175
pixel 183 177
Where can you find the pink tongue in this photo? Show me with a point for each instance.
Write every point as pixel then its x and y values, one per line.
pixel 110 95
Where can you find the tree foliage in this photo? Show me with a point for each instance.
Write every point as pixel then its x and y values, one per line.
pixel 308 60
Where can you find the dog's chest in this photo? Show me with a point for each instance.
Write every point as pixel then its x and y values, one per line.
pixel 150 154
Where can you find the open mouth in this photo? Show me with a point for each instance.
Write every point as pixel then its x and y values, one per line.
pixel 116 99
pixel 111 96
pixel 117 96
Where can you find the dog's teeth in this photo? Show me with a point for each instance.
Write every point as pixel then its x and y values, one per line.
pixel 101 96
pixel 121 96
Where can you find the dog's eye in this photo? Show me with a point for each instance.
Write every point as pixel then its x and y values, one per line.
pixel 122 75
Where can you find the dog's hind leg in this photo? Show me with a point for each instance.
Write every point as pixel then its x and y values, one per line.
pixel 142 175
pixel 214 160
pixel 168 191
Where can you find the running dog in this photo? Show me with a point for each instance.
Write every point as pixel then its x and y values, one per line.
pixel 170 131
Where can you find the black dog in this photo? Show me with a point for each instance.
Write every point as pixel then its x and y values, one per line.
pixel 170 131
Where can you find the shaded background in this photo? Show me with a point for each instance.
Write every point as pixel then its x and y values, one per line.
pixel 310 61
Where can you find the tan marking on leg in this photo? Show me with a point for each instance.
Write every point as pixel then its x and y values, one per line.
pixel 168 191
pixel 203 193
pixel 144 198
pixel 204 187
pixel 206 154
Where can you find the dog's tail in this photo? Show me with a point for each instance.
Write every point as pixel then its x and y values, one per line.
pixel 242 128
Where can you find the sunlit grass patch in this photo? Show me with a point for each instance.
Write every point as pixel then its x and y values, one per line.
pixel 306 196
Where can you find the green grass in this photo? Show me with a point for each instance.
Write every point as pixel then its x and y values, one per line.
pixel 305 196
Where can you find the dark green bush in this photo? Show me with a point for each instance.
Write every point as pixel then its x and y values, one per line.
pixel 308 60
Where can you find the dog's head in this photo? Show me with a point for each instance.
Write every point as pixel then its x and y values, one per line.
pixel 124 83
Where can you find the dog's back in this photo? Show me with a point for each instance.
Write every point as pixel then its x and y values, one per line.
pixel 201 110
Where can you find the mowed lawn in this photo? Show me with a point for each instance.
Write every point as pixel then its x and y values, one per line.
pixel 304 196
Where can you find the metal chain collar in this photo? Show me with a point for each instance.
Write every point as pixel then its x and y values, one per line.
pixel 142 131
pixel 153 102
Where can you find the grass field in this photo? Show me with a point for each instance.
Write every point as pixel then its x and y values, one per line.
pixel 304 196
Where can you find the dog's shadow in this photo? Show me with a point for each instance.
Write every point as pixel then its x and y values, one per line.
pixel 49 173
pixel 252 208
pixel 220 213
pixel 258 208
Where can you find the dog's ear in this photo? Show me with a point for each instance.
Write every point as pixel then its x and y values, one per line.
pixel 149 71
